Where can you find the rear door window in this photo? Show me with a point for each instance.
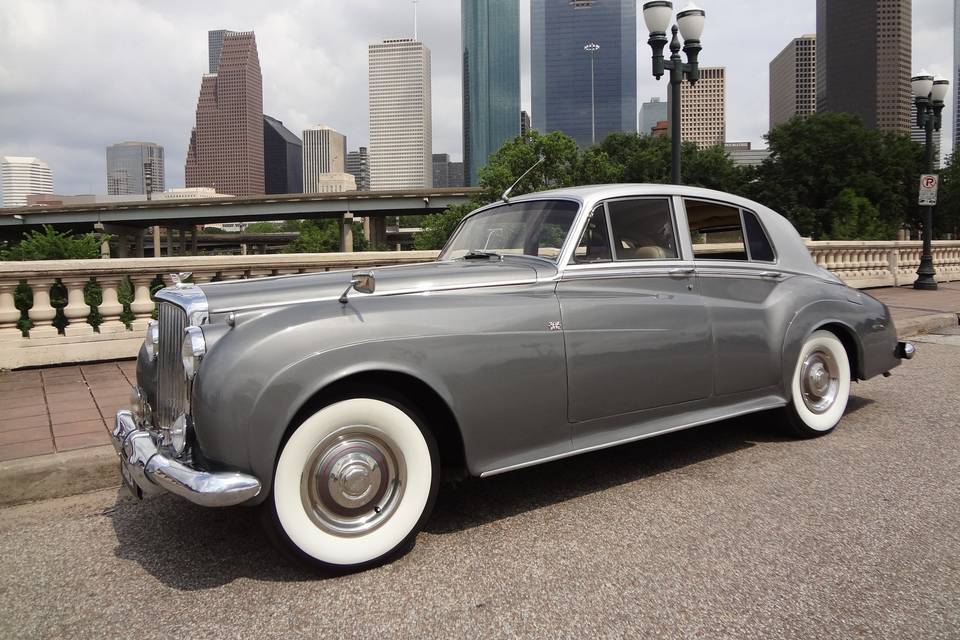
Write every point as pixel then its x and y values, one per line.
pixel 642 229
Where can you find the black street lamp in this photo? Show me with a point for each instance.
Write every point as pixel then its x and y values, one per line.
pixel 657 15
pixel 928 94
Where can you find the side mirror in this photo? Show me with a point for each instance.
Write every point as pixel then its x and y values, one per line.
pixel 362 283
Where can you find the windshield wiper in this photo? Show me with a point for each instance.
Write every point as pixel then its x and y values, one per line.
pixel 475 254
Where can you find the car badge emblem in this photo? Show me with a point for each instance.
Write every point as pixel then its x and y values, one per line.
pixel 555 325
pixel 179 279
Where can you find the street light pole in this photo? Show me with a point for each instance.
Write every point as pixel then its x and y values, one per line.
pixel 929 94
pixel 657 15
pixel 592 48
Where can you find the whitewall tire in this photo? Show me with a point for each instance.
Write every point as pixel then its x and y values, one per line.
pixel 354 483
pixel 820 386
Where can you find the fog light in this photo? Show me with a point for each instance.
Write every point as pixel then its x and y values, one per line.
pixel 178 433
pixel 138 405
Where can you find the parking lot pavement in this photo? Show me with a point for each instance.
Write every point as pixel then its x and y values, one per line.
pixel 725 531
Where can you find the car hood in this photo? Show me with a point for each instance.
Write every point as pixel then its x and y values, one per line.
pixel 235 295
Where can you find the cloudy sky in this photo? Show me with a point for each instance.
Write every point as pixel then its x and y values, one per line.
pixel 77 75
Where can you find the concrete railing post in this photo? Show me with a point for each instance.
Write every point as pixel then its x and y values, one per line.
pixel 77 308
pixel 111 308
pixel 893 265
pixel 142 305
pixel 42 312
pixel 346 233
pixel 9 314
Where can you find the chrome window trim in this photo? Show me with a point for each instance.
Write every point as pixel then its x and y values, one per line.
pixel 740 209
pixel 565 249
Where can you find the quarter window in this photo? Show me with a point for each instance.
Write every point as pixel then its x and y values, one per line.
pixel 760 248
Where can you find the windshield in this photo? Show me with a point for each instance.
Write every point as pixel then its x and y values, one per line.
pixel 534 228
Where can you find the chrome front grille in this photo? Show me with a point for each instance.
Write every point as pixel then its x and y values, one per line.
pixel 173 393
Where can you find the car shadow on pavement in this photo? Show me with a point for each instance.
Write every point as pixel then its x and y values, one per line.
pixel 475 502
pixel 189 548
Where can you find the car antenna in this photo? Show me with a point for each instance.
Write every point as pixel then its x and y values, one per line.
pixel 506 194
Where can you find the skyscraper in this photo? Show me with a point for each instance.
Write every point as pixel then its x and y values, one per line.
pixel 703 117
pixel 21 177
pixel 651 113
pixel 956 78
pixel 214 45
pixel 125 168
pixel 324 151
pixel 401 130
pixel 226 145
pixel 490 37
pixel 864 59
pixel 282 158
pixel 560 67
pixel 446 173
pixel 358 165
pixel 524 123
pixel 793 80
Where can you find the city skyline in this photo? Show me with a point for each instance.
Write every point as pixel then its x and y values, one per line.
pixel 311 76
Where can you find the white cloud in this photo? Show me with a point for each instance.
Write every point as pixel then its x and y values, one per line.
pixel 78 75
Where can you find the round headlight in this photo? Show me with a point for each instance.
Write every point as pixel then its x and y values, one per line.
pixel 152 339
pixel 192 351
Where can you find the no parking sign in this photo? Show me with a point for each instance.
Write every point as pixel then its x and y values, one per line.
pixel 928 189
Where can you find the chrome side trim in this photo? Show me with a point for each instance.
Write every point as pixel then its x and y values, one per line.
pixel 607 445
pixel 397 292
pixel 150 471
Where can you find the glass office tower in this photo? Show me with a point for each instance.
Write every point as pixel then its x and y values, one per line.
pixel 560 68
pixel 490 31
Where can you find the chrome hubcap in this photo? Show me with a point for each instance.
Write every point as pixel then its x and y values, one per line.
pixel 353 481
pixel 819 381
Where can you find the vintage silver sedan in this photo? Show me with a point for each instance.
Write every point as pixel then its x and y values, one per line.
pixel 551 324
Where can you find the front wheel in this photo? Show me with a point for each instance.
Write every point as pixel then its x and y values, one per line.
pixel 820 386
pixel 354 483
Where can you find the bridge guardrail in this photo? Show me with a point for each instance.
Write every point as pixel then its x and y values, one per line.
pixel 60 331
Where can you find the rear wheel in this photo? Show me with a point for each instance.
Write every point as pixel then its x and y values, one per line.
pixel 354 483
pixel 820 386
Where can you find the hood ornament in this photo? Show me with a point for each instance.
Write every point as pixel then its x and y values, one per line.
pixel 180 279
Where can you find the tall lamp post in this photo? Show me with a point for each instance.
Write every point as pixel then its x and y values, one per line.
pixel 657 15
pixel 928 94
pixel 592 49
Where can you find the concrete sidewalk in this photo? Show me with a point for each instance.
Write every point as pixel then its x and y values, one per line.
pixel 54 422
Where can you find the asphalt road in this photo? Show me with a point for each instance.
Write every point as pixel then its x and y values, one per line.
pixel 726 531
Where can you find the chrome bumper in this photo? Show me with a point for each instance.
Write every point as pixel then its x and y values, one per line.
pixel 145 470
pixel 905 350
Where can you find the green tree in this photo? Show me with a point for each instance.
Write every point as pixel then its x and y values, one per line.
pixel 814 158
pixel 946 217
pixel 263 227
pixel 50 244
pixel 854 217
pixel 323 236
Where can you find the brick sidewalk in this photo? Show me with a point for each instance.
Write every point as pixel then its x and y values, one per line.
pixel 907 302
pixel 59 409
pixel 56 409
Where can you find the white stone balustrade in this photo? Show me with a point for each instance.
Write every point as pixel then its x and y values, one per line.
pixel 860 264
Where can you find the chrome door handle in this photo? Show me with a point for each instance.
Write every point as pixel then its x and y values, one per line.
pixel 684 271
pixel 771 274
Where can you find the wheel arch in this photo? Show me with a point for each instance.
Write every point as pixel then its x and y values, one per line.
pixel 825 315
pixel 404 388
pixel 851 344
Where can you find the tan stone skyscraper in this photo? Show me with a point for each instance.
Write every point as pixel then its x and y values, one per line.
pixel 863 60
pixel 226 145
pixel 703 107
pixel 793 80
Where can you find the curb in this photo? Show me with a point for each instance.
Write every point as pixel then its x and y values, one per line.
pixel 58 475
pixel 926 324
